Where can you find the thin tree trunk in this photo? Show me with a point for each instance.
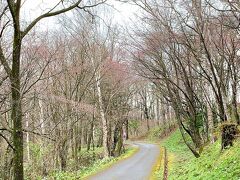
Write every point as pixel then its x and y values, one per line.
pixel 102 114
pixel 210 122
pixel 127 130
pixel 235 113
pixel 90 135
pixel 163 113
pixel 146 115
pixel 27 138
pixel 192 149
pixel 157 112
pixel 41 115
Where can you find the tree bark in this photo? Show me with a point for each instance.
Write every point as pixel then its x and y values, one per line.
pixel 16 107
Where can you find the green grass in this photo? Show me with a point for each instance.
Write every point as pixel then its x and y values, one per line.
pixel 212 165
pixel 97 166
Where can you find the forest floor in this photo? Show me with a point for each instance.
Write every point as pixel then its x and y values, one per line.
pixel 213 164
pixel 136 167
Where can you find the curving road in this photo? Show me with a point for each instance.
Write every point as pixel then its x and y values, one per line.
pixel 137 167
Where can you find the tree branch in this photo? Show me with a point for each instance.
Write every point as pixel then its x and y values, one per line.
pixel 39 134
pixel 3 79
pixel 8 142
pixel 4 10
pixel 3 28
pixel 49 14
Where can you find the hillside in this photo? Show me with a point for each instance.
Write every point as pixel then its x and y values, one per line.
pixel 212 164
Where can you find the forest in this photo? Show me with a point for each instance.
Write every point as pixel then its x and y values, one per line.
pixel 81 90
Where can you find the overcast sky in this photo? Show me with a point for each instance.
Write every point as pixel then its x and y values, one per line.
pixel 33 8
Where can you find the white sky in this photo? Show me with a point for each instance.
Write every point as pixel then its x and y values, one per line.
pixel 33 8
pixel 124 12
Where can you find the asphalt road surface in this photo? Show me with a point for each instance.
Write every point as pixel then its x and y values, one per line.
pixel 137 167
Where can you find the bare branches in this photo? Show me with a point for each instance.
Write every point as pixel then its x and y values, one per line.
pixel 39 134
pixel 3 79
pixel 4 11
pixel 8 142
pixel 4 62
pixel 91 6
pixel 57 12
pixel 49 14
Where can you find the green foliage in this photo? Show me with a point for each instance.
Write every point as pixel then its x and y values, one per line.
pixel 134 124
pixel 155 133
pixel 213 164
pixel 200 120
pixel 35 166
pixel 84 171
pixel 86 158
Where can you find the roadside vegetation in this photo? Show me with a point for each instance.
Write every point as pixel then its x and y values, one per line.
pixel 90 162
pixel 212 164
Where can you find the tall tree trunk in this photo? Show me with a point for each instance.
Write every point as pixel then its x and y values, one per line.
pixel 103 117
pixel 16 106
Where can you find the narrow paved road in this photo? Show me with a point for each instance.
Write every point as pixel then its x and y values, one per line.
pixel 137 167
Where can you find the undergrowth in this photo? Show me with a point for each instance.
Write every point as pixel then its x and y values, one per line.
pixel 213 164
pixel 96 167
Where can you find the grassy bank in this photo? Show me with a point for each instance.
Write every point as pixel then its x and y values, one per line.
pixel 96 167
pixel 212 164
